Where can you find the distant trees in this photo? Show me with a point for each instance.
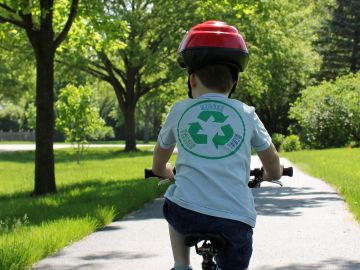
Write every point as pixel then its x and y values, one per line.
pixel 339 40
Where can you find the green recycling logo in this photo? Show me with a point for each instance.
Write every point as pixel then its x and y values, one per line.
pixel 217 131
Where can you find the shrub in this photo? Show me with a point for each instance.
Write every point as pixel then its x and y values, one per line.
pixel 291 143
pixel 328 115
pixel 277 140
pixel 78 118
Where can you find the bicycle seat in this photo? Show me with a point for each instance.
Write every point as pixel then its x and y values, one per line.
pixel 194 238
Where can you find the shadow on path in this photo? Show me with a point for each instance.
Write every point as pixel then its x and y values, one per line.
pixel 269 201
pixel 288 201
pixel 332 263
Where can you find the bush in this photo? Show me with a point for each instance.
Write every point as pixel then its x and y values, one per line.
pixel 11 117
pixel 291 143
pixel 277 140
pixel 328 115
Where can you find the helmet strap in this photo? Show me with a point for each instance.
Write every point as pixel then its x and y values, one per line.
pixel 189 88
pixel 232 90
pixel 235 75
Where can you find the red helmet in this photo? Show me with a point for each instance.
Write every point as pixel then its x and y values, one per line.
pixel 213 42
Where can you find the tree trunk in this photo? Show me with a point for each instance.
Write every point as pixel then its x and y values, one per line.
pixel 44 154
pixel 147 122
pixel 355 52
pixel 130 130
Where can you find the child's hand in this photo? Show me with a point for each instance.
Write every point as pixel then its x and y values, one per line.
pixel 169 174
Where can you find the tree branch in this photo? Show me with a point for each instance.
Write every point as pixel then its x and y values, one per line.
pixel 153 85
pixel 110 67
pixel 7 8
pixel 69 22
pixel 96 73
pixel 12 21
pixel 120 73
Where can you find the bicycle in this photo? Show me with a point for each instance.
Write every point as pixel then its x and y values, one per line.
pixel 212 244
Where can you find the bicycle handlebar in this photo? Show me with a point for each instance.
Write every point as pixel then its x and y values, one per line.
pixel 255 183
pixel 259 172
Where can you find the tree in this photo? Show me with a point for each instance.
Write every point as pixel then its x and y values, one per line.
pixel 132 46
pixel 78 118
pixel 339 40
pixel 41 20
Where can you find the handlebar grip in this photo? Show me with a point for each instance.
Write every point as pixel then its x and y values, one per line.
pixel 149 173
pixel 288 171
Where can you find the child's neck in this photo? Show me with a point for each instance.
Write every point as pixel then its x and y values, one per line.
pixel 202 91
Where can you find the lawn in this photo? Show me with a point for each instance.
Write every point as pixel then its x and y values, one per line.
pixel 338 167
pixel 106 185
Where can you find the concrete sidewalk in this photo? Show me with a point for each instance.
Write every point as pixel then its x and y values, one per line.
pixel 303 225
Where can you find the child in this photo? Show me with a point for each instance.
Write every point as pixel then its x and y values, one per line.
pixel 214 135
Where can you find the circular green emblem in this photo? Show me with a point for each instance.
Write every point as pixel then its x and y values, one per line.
pixel 211 129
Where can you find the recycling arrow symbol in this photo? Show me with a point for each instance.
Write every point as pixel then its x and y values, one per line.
pixel 218 117
pixel 193 131
pixel 221 140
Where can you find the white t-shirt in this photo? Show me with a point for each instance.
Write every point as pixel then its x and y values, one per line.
pixel 214 136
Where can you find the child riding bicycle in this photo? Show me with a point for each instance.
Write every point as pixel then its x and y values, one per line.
pixel 214 135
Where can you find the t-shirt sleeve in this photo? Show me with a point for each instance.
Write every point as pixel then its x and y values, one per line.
pixel 261 139
pixel 167 136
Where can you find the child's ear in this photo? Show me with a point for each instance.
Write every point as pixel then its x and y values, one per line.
pixel 193 83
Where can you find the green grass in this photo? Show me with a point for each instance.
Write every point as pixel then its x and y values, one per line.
pixel 106 185
pixel 338 167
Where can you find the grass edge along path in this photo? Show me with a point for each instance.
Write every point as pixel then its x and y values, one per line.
pixel 34 228
pixel 338 167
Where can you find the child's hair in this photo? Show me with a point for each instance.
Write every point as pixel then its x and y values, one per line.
pixel 216 77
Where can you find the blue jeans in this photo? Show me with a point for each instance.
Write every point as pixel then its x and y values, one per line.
pixel 238 235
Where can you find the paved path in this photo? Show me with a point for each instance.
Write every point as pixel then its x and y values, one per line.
pixel 303 225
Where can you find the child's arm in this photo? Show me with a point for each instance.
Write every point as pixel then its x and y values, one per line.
pixel 271 163
pixel 160 166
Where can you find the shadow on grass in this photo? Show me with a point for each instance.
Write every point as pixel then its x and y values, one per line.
pixel 69 155
pixel 87 199
pixel 289 201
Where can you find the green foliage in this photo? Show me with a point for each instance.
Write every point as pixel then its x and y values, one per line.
pixel 17 69
pixel 277 140
pixel 291 143
pixel 78 118
pixel 328 115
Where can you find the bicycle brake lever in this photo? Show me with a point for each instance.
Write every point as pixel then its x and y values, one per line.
pixel 275 182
